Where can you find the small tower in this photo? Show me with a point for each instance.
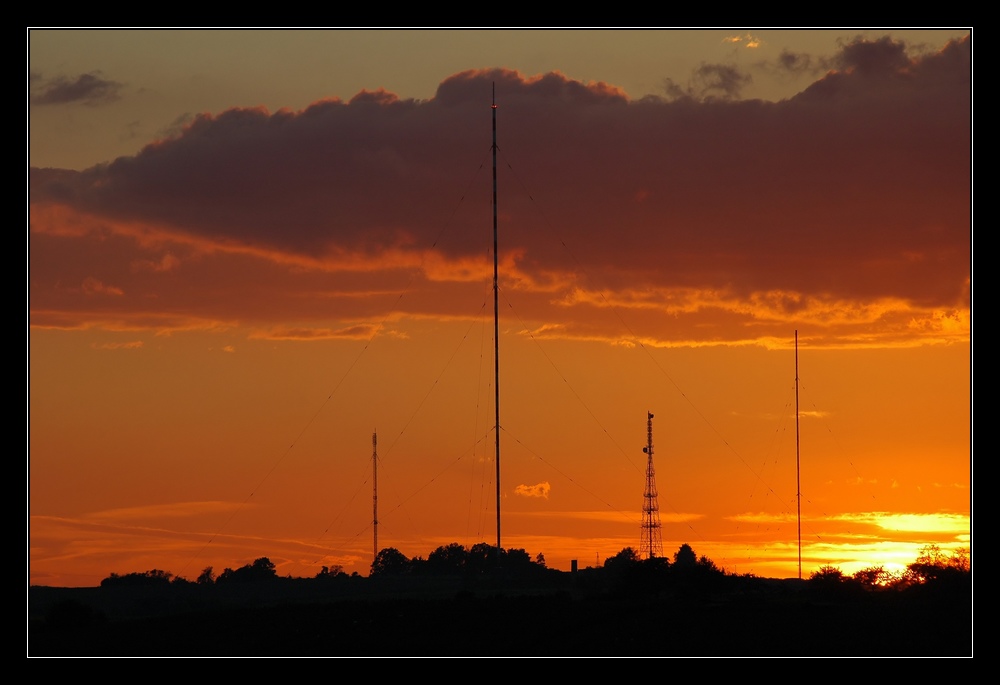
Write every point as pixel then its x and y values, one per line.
pixel 651 544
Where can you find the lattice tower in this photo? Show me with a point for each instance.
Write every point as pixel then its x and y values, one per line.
pixel 651 544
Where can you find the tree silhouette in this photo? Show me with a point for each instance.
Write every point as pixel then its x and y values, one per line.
pixel 960 560
pixel 873 577
pixel 207 577
pixel 417 566
pixel 260 569
pixel 447 559
pixel 685 557
pixel 827 575
pixel 625 558
pixel 390 562
pixel 706 564
pixel 933 569
pixel 482 558
pixel 621 570
pixel 517 559
pixel 147 578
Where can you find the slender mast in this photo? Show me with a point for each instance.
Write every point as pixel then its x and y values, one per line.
pixel 375 491
pixel 496 318
pixel 798 480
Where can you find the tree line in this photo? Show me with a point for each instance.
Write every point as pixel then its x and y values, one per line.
pixel 933 567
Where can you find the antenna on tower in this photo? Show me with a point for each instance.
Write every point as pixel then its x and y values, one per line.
pixel 651 544
pixel 375 493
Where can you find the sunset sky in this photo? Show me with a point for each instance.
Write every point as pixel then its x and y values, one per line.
pixel 249 250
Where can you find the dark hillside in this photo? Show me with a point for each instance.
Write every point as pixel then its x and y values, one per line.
pixel 453 617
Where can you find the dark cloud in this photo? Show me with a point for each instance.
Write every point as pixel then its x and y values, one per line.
pixel 796 62
pixel 709 82
pixel 720 81
pixel 881 56
pixel 853 190
pixel 88 89
pixel 176 127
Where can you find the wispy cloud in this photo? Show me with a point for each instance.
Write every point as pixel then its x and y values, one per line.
pixel 359 332
pixel 926 523
pixel 745 40
pixel 629 517
pixel 88 89
pixel 167 262
pixel 130 345
pixel 537 490
pixel 902 522
pixel 92 286
pixel 160 511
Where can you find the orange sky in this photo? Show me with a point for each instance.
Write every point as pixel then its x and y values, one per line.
pixel 218 323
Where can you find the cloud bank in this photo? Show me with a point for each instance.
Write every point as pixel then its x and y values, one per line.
pixel 846 209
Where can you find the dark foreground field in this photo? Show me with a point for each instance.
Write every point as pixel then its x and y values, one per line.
pixel 442 621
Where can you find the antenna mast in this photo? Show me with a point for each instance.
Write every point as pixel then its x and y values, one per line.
pixel 798 480
pixel 496 316
pixel 651 544
pixel 375 492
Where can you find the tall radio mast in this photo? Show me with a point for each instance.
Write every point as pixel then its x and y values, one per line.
pixel 798 478
pixel 496 318
pixel 651 544
pixel 375 492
